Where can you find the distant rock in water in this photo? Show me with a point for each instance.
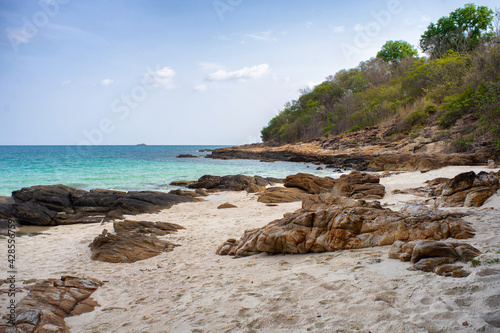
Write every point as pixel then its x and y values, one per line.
pixel 50 301
pixel 327 222
pixel 141 144
pixel 59 204
pixel 186 156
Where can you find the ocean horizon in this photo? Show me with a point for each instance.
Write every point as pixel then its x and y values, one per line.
pixel 126 167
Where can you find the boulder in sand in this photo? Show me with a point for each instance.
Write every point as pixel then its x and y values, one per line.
pixel 282 194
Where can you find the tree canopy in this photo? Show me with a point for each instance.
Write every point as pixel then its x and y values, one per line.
pixel 461 31
pixel 396 50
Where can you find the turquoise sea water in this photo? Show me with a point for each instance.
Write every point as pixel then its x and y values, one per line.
pixel 125 167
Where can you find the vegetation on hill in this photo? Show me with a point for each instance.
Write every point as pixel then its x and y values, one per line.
pixel 460 77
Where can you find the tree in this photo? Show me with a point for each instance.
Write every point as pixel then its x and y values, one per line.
pixel 461 31
pixel 396 51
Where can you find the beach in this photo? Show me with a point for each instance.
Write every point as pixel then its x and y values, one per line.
pixel 191 289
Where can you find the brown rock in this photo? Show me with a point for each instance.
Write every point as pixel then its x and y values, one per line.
pixel 359 185
pixel 461 182
pixel 146 227
pixel 226 205
pixel 185 193
pixel 282 194
pixel 320 226
pixel 127 247
pixel 477 197
pixel 50 301
pixel 232 183
pixel 309 183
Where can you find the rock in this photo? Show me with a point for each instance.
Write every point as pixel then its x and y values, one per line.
pixel 492 164
pixel 319 168
pixel 50 301
pixel 359 185
pixel 309 183
pixel 191 194
pixel 127 247
pixel 6 207
pixel 184 183
pixel 186 156
pixel 226 205
pixel 281 194
pixel 202 192
pixel 59 204
pixel 329 223
pixel 435 256
pixel 146 227
pixel 232 183
pixel 466 189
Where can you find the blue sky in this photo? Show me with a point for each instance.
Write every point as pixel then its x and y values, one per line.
pixel 180 72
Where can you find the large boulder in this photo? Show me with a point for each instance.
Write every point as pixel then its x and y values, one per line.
pixel 59 204
pixel 127 247
pixel 329 223
pixel 359 185
pixel 310 183
pixel 49 302
pixel 146 227
pixel 282 194
pixel 233 183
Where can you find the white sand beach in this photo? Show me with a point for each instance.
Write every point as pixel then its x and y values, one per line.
pixel 194 290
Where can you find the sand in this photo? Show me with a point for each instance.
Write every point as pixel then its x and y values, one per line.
pixel 193 290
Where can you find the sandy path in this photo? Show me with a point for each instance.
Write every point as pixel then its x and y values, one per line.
pixel 193 290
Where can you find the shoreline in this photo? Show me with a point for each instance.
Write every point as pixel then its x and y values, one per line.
pixel 193 289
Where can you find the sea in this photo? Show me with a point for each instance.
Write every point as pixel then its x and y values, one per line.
pixel 127 168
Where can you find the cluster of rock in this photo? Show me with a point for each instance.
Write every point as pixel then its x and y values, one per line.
pixel 59 204
pixel 133 241
pixel 467 189
pixel 433 256
pixel 327 222
pixel 229 183
pixel 49 302
pixel 356 185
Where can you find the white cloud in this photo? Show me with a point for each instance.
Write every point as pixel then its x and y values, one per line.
pixel 162 76
pixel 359 27
pixel 66 83
pixel 243 74
pixel 338 29
pixel 200 87
pixel 265 36
pixel 106 82
pixel 309 24
pixel 425 19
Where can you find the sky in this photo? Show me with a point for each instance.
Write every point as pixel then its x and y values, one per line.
pixel 180 72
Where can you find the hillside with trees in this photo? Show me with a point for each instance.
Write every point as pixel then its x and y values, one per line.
pixel 458 79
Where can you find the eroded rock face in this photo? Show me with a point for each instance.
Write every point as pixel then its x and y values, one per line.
pixel 232 183
pixel 467 189
pixel 59 204
pixel 50 301
pixel 356 185
pixel 282 194
pixel 329 223
pixel 433 256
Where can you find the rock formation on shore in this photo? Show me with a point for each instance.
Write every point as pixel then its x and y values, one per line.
pixel 437 257
pixel 133 241
pixel 467 189
pixel 327 222
pixel 233 183
pixel 49 302
pixel 59 204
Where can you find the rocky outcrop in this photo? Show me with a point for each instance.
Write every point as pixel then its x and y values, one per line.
pixel 233 183
pixel 186 156
pixel 309 183
pixel 437 257
pixel 359 185
pixel 281 195
pixel 59 204
pixel 127 247
pixel 467 189
pixel 49 302
pixel 329 223
pixel 356 185
pixel 146 227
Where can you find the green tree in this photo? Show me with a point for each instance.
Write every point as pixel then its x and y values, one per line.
pixel 396 51
pixel 461 31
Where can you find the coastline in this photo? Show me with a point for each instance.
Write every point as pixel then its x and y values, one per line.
pixel 193 289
